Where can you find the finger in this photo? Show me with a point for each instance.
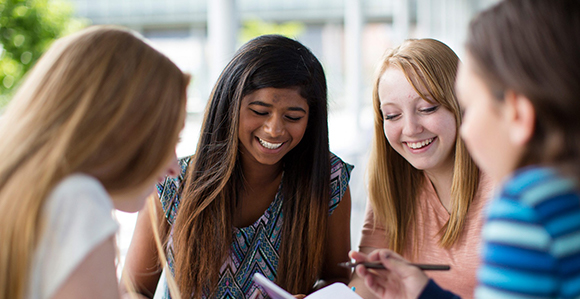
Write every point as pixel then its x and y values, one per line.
pixel 357 256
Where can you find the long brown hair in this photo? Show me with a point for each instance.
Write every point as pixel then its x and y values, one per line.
pixel 100 102
pixel 394 183
pixel 203 228
pixel 532 48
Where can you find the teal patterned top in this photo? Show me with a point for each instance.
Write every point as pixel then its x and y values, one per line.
pixel 255 248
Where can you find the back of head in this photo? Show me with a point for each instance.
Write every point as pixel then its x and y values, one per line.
pixel 100 102
pixel 531 47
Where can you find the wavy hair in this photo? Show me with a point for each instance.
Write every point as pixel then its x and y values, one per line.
pixel 394 183
pixel 100 102
pixel 203 227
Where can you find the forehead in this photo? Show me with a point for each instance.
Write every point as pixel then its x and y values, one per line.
pixel 394 88
pixel 276 96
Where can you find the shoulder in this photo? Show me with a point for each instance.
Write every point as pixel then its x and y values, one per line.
pixel 339 179
pixel 79 192
pixel 77 216
pixel 537 202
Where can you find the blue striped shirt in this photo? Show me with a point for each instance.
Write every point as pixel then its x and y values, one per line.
pixel 531 238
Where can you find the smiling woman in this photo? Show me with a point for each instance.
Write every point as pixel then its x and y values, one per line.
pixel 425 191
pixel 262 194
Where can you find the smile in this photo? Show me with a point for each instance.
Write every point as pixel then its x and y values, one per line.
pixel 420 144
pixel 269 145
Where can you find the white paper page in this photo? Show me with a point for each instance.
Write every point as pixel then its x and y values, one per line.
pixel 336 290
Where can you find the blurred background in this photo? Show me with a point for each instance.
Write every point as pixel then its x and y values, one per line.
pixel 200 36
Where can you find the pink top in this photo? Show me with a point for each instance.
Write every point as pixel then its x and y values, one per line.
pixel 463 256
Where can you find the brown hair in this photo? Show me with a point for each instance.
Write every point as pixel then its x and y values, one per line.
pixel 100 102
pixel 532 48
pixel 203 227
pixel 393 182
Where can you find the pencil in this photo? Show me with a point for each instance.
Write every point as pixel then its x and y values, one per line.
pixel 378 265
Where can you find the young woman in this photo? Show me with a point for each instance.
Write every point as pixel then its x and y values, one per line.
pixel 519 90
pixel 262 194
pixel 425 192
pixel 93 128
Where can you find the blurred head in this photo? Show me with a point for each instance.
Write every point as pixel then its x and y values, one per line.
pixel 111 103
pixel 416 111
pixel 521 80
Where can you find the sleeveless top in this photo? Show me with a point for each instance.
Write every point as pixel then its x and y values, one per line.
pixel 255 248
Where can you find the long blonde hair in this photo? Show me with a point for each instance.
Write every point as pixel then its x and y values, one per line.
pixel 100 102
pixel 393 183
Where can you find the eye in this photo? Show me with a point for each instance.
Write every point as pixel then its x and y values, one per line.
pixel 391 116
pixel 259 112
pixel 430 109
pixel 292 118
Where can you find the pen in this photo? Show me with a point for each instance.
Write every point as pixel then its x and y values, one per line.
pixel 378 265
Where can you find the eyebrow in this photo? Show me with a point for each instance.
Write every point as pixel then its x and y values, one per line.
pixel 260 103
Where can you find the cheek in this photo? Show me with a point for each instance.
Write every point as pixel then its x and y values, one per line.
pixel 391 132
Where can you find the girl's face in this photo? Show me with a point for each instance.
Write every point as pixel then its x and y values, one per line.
pixel 133 200
pixel 485 129
pixel 423 133
pixel 272 122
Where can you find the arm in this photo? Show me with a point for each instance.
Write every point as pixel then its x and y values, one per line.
pixel 142 264
pixel 337 244
pixel 95 277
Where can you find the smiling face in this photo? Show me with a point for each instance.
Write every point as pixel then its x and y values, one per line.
pixel 272 122
pixel 423 133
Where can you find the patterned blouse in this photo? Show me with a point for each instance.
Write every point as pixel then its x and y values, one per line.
pixel 255 248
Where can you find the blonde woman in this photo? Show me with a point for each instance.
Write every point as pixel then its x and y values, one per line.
pixel 93 128
pixel 425 192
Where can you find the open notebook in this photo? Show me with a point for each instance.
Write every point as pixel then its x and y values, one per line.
pixel 334 291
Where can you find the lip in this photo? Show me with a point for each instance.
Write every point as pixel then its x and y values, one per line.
pixel 422 149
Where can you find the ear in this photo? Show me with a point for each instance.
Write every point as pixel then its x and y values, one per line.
pixel 521 117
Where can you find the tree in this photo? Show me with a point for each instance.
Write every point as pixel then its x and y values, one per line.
pixel 27 28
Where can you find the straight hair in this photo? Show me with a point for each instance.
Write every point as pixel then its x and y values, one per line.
pixel 99 102
pixel 394 184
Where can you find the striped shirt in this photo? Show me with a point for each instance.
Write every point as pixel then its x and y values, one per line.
pixel 531 239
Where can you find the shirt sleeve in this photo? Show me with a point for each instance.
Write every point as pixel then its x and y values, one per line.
pixel 77 218
pixel 532 239
pixel 339 179
pixel 434 291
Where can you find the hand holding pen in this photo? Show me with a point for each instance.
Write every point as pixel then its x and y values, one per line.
pixel 388 275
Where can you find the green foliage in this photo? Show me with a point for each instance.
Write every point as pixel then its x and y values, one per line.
pixel 256 27
pixel 27 28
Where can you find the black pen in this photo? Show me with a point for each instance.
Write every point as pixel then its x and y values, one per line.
pixel 378 265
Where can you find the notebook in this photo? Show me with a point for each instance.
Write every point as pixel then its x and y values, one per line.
pixel 335 291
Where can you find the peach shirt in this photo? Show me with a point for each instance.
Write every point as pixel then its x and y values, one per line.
pixel 463 256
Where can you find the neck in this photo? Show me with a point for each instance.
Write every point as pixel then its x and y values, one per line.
pixel 442 179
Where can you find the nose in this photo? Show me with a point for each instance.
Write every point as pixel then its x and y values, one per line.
pixel 274 125
pixel 412 126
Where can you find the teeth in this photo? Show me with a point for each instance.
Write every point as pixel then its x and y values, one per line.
pixel 418 145
pixel 269 145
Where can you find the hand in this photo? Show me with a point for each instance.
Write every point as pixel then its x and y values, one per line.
pixel 398 280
